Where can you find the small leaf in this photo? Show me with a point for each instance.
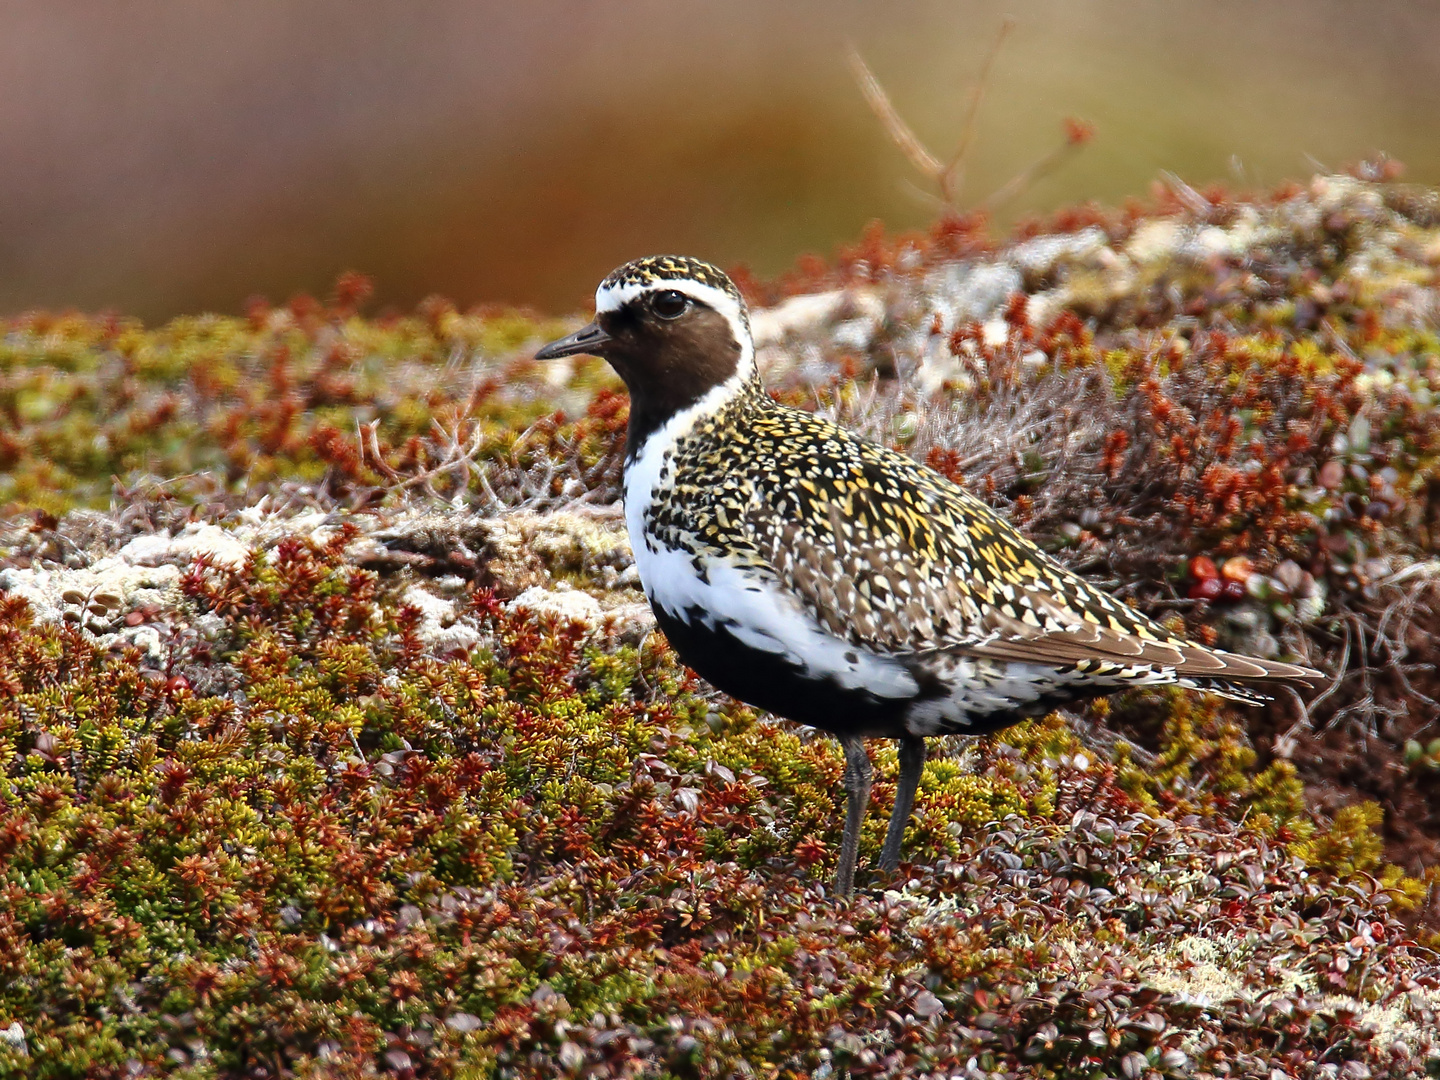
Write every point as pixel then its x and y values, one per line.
pixel 927 1005
pixel 714 768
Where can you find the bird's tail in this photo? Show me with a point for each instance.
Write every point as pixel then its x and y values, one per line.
pixel 1251 678
pixel 1231 691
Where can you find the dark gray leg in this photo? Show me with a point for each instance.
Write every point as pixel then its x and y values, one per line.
pixel 912 762
pixel 857 790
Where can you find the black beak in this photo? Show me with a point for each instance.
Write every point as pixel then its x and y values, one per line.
pixel 588 339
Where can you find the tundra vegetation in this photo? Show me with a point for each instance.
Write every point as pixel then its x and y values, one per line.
pixel 336 740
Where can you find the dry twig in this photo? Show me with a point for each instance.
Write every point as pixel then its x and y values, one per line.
pixel 949 177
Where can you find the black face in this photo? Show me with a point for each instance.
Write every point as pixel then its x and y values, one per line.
pixel 670 349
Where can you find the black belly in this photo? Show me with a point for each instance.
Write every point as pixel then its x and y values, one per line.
pixel 772 683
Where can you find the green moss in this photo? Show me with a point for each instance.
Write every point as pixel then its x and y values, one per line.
pixel 258 401
pixel 1351 845
pixel 1204 762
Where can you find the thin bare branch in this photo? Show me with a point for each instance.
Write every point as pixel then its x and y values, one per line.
pixel 1193 200
pixel 931 202
pixel 1036 172
pixel 952 177
pixel 949 178
pixel 899 131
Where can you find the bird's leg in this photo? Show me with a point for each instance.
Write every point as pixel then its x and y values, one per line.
pixel 912 762
pixel 857 790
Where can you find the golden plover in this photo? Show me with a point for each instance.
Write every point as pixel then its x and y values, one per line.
pixel 832 581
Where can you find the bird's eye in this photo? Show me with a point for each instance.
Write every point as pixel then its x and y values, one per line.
pixel 670 304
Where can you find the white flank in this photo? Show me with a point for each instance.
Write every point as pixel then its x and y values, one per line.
pixel 982 687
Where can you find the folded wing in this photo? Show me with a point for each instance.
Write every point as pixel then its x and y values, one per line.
pixel 902 562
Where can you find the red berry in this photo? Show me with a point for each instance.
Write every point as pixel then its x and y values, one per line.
pixel 1203 568
pixel 1237 569
pixel 1205 589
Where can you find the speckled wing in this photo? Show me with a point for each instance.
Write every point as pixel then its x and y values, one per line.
pixel 837 547
pixel 900 561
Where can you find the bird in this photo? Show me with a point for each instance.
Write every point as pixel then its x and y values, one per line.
pixel 832 581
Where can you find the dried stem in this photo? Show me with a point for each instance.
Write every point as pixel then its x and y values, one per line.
pixel 1036 172
pixel 949 178
pixel 952 179
pixel 899 131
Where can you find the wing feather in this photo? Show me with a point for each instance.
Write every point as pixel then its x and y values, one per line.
pixel 900 561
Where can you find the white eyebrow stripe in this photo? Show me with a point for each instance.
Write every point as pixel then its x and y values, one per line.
pixel 613 297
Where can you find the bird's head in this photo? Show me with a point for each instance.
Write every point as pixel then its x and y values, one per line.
pixel 672 327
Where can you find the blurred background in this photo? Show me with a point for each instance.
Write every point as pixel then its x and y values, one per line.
pixel 165 156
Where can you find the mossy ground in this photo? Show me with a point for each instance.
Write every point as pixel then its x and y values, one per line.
pixel 321 800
